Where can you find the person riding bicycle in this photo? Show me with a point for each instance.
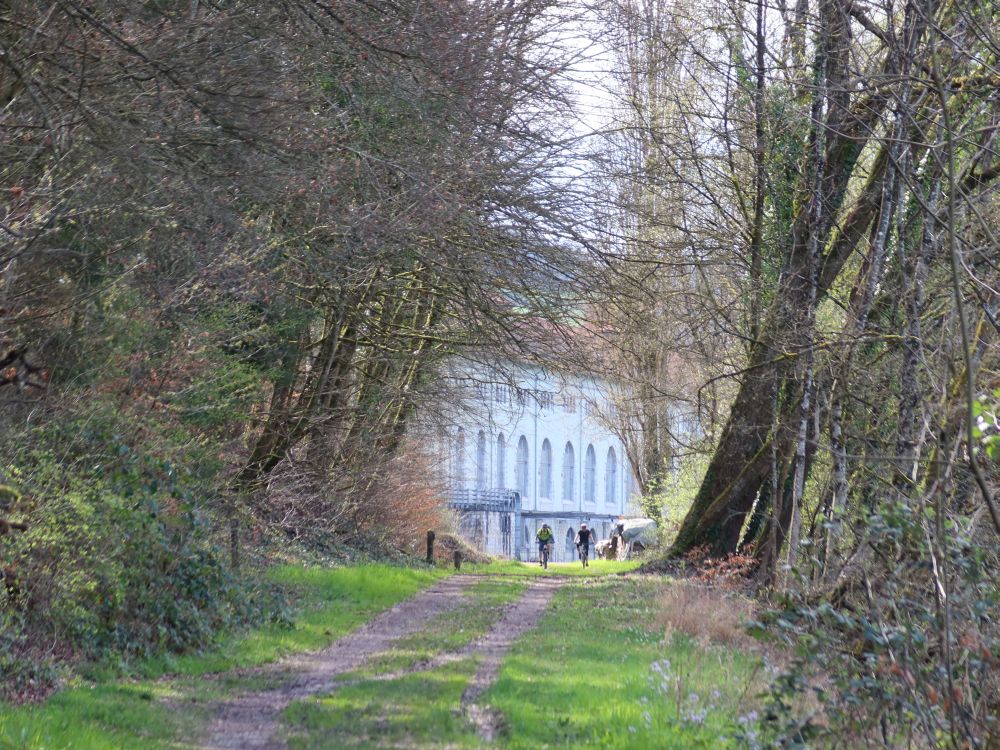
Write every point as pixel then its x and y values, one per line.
pixel 544 537
pixel 583 537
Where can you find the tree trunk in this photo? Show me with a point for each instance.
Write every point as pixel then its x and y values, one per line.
pixel 838 498
pixel 739 464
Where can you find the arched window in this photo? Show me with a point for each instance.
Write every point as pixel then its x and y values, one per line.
pixel 481 460
pixel 458 466
pixel 570 547
pixel 569 472
pixel 521 470
pixel 545 470
pixel 590 475
pixel 611 477
pixel 501 460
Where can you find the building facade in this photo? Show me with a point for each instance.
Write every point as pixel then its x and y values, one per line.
pixel 529 448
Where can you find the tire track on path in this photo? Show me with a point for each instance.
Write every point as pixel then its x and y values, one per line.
pixel 517 621
pixel 249 721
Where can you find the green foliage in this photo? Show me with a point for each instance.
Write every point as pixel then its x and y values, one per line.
pixel 899 663
pixel 669 500
pixel 239 348
pixel 106 340
pixel 259 334
pixel 225 394
pixel 986 425
pixel 114 566
pixel 786 125
pixel 118 557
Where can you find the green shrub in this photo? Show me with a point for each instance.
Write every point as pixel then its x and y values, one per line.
pixel 119 555
pixel 885 663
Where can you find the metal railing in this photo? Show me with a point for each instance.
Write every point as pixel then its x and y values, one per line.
pixel 475 508
pixel 485 499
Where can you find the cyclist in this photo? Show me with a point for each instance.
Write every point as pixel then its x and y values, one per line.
pixel 544 537
pixel 583 544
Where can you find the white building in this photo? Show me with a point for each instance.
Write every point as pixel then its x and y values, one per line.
pixel 531 447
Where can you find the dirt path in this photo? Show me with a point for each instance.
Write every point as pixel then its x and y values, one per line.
pixel 250 720
pixel 517 620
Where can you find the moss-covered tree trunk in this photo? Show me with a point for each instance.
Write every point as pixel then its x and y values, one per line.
pixel 742 459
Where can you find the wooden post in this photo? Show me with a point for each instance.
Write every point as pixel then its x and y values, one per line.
pixel 234 541
pixel 430 547
pixel 458 560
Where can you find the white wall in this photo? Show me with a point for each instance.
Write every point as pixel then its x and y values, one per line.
pixel 540 406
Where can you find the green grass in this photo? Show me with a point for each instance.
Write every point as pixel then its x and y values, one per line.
pixel 584 679
pixel 416 711
pixel 596 673
pixel 596 568
pixel 119 716
pixel 449 632
pixel 126 714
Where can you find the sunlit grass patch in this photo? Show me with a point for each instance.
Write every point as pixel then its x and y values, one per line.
pixel 117 716
pixel 326 604
pixel 598 673
pixel 416 711
pixel 596 568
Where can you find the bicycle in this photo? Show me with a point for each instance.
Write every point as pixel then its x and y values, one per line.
pixel 584 551
pixel 544 552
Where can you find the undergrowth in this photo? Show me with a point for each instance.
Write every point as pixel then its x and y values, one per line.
pixel 119 560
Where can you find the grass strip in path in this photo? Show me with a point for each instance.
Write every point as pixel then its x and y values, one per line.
pixel 107 713
pixel 250 720
pixel 598 671
pixel 449 634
